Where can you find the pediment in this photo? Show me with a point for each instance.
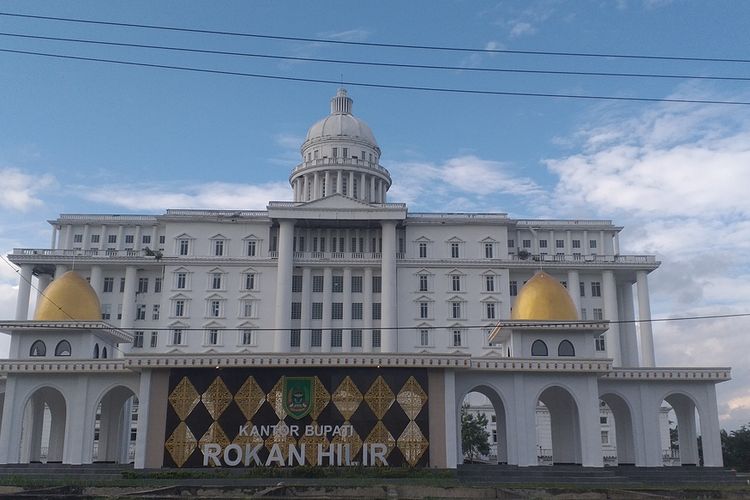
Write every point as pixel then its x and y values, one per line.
pixel 336 201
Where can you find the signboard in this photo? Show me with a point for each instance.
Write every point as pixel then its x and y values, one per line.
pixel 240 417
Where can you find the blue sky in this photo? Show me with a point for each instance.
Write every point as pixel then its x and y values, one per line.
pixel 81 136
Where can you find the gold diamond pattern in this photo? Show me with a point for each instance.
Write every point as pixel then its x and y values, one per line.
pixel 412 398
pixel 184 398
pixel 311 446
pixel 379 397
pixel 321 398
pixel 180 444
pixel 250 398
pixel 412 443
pixel 380 434
pixel 275 398
pixel 347 398
pixel 214 434
pixel 281 437
pixel 216 398
pixel 354 441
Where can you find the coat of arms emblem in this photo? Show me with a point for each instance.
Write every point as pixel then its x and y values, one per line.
pixel 298 396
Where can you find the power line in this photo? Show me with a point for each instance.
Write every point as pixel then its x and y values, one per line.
pixel 380 85
pixel 381 44
pixel 376 63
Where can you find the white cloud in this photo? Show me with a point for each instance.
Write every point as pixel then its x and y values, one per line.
pixel 20 190
pixel 521 28
pixel 218 195
pixel 352 35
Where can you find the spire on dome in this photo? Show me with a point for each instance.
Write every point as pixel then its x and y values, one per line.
pixel 341 104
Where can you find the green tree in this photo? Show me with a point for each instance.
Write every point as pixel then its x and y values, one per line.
pixel 735 447
pixel 474 435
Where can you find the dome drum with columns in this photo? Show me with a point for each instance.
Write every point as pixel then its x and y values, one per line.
pixel 340 155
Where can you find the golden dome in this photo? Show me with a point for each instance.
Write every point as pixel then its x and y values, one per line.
pixel 68 298
pixel 543 298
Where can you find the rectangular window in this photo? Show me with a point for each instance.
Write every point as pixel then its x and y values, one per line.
pixel 296 283
pixel 377 284
pixel 94 238
pixel 337 310
pixel 527 243
pixel 511 243
pixel 109 284
pixel 129 239
pixel 356 310
pixel 422 250
pixel 106 311
pixel 603 420
pixel 598 314
pixel 162 239
pixel 177 336
pixel 356 337
pixel 513 288
pixel 456 283
pixel 316 337
pixel 122 285
pixel 247 308
pixel 184 247
pixel 317 284
pixel 605 437
pixel 336 337
pixel 376 340
pixel 181 280
pixel 376 310
pixel 488 250
pixel 138 338
pixel 345 152
pixel 457 338
pixel 592 243
pixel 596 289
pixel 490 310
pixel 559 243
pixel 582 288
pixel 294 339
pixel 424 337
pixel 422 282
pixel 489 283
pixel 157 285
pixel 251 248
pixel 112 238
pixel 455 310
pixel 155 312
pixel 317 310
pixel 248 336
pixel 214 308
pixel 576 243
pixel 542 243
pixel 454 250
pixel 77 238
pixel 140 312
pixel 212 336
pixel 424 310
pixel 296 310
pixel 583 314
pixel 154 339
pixel 337 284
pixel 218 248
pixel 146 239
pixel 356 284
pixel 179 308
pixel 335 152
pixel 216 281
pixel 142 285
pixel 249 281
pixel 601 345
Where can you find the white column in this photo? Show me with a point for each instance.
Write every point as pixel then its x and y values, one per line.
pixel 367 310
pixel 328 182
pixel 86 237
pixel 389 292
pixel 304 336
pixel 24 291
pixel 452 432
pixel 339 181
pixel 128 297
pixel 362 188
pixel 350 186
pixel 629 341
pixel 574 289
pixel 616 243
pixel 103 237
pixel 68 236
pixel 346 343
pixel 284 268
pixel 610 312
pixel 316 186
pixel 586 249
pixel 96 280
pixel 304 188
pixel 327 300
pixel 120 237
pixel 144 411
pixel 42 283
pixel 155 237
pixel 372 189
pixel 53 241
pixel 138 238
pixel 644 320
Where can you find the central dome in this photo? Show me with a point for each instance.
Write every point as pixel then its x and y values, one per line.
pixel 68 298
pixel 543 298
pixel 341 123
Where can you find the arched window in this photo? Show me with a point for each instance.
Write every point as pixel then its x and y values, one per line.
pixel 96 351
pixel 538 348
pixel 104 352
pixel 38 348
pixel 566 349
pixel 63 348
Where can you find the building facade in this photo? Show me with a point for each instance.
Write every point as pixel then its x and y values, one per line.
pixel 341 278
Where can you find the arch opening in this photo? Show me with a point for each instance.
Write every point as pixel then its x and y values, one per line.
pixel 680 431
pixel 43 427
pixel 618 438
pixel 482 427
pixel 115 426
pixel 558 428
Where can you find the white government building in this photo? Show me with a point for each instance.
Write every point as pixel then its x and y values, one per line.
pixel 389 319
